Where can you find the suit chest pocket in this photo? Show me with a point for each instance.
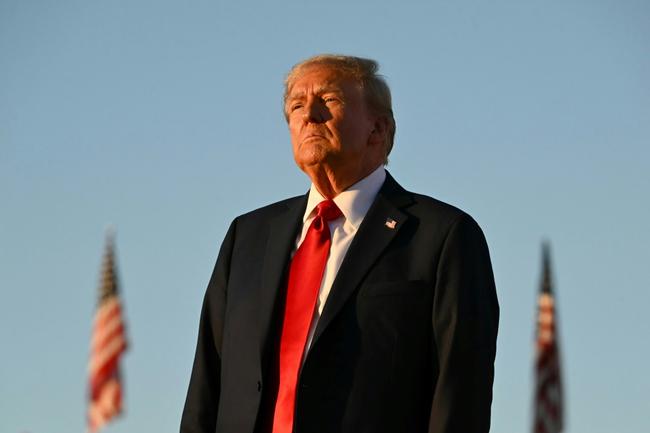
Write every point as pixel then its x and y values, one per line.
pixel 394 308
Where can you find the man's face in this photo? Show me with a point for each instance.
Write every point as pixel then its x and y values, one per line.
pixel 330 124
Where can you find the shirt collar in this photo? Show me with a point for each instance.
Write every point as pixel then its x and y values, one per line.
pixel 355 201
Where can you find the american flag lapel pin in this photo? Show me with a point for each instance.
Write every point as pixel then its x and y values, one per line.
pixel 390 223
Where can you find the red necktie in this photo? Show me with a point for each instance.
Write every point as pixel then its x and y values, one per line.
pixel 305 274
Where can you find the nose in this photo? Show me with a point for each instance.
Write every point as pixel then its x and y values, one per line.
pixel 314 111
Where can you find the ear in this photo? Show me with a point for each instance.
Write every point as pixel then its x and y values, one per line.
pixel 379 134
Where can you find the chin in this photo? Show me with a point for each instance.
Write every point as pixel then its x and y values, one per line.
pixel 310 155
pixel 309 164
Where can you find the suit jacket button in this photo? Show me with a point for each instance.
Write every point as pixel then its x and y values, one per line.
pixel 259 386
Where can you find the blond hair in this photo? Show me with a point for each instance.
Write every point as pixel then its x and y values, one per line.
pixel 364 71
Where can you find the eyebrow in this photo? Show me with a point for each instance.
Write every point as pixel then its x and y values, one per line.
pixel 327 88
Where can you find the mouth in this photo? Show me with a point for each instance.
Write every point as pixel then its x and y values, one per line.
pixel 313 137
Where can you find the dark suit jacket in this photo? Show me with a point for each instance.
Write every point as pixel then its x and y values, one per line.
pixel 406 341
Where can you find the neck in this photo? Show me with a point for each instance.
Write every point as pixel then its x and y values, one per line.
pixel 330 184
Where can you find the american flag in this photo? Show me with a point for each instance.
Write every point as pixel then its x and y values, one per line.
pixel 548 402
pixel 107 345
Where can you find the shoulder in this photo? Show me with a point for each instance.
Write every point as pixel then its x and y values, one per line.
pixel 448 221
pixel 458 242
pixel 430 212
pixel 267 213
pixel 272 209
pixel 441 211
pixel 434 208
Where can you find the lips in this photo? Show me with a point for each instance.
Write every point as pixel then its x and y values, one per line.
pixel 314 136
pixel 314 131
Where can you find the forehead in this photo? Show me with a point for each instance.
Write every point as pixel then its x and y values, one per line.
pixel 320 78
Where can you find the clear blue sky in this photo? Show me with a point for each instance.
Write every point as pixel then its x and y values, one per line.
pixel 164 119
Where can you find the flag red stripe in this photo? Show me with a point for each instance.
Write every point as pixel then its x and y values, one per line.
pixel 115 314
pixel 104 366
pixel 107 336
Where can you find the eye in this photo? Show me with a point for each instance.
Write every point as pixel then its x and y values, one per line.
pixel 330 99
pixel 295 107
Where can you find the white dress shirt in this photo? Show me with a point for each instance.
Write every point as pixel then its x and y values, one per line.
pixel 354 203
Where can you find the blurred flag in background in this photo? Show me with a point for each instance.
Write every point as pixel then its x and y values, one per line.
pixel 548 410
pixel 107 345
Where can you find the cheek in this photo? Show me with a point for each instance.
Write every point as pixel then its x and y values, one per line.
pixel 354 134
pixel 294 132
pixel 342 128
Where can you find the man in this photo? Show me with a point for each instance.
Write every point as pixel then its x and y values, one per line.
pixel 360 307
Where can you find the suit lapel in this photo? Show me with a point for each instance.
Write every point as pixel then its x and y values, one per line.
pixel 380 225
pixel 283 230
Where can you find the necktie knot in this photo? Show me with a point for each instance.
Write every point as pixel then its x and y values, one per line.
pixel 328 210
